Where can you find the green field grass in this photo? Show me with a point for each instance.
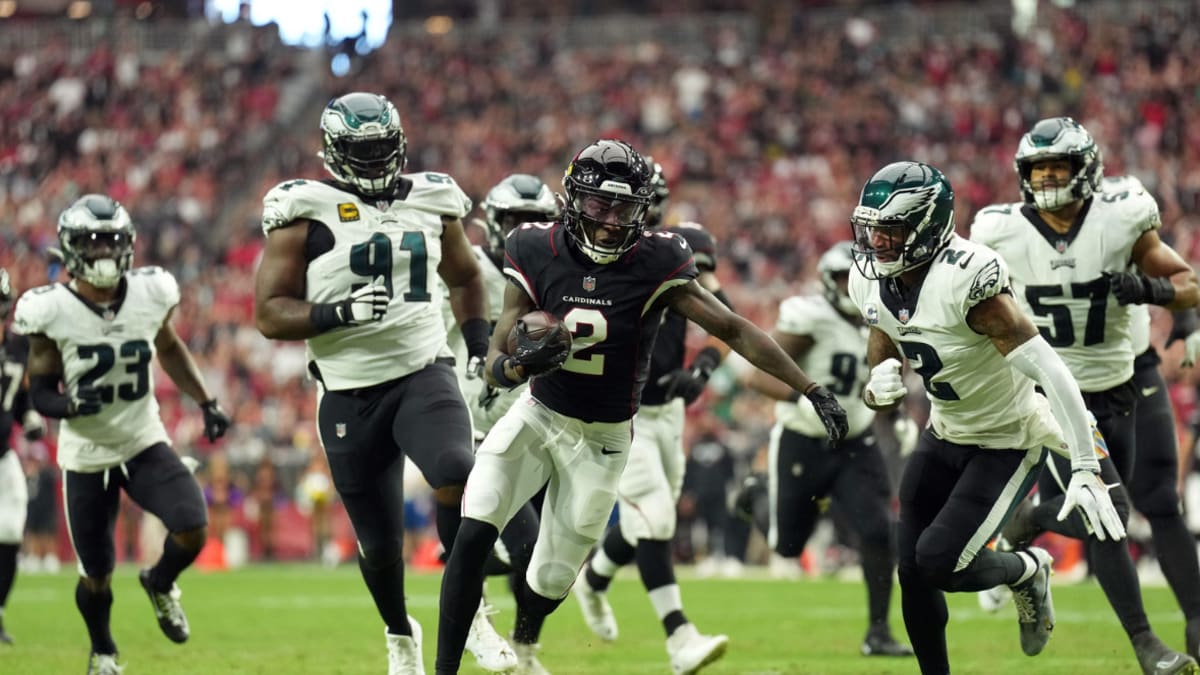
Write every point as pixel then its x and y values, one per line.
pixel 294 620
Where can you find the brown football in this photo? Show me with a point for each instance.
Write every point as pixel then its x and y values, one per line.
pixel 534 324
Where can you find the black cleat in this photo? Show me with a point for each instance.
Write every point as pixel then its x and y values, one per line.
pixel 1156 658
pixel 879 642
pixel 167 609
pixel 753 487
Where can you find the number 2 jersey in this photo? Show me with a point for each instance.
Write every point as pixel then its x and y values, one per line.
pixel 611 311
pixel 352 241
pixel 976 397
pixel 1058 278
pixel 112 349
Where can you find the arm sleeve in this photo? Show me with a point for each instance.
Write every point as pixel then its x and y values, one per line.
pixel 1037 360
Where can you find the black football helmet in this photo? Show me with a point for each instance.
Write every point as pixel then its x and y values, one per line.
pixel 96 237
pixel 519 198
pixel 904 217
pixel 7 294
pixel 1059 138
pixel 607 184
pixel 364 144
pixel 662 192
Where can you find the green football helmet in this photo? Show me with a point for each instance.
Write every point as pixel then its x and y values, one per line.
pixel 835 262
pixel 364 144
pixel 904 217
pixel 96 236
pixel 519 198
pixel 1059 138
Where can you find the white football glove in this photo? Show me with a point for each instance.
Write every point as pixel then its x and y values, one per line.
pixel 1088 492
pixel 33 425
pixel 365 305
pixel 1191 349
pixel 907 433
pixel 886 386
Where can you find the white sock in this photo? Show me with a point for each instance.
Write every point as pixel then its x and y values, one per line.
pixel 1031 566
pixel 602 565
pixel 666 599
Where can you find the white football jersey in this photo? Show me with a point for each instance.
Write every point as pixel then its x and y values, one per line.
pixel 1058 278
pixel 976 397
pixel 1139 328
pixel 837 360
pixel 113 350
pixel 494 282
pixel 399 241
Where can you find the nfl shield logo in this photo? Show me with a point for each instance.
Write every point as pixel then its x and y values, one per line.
pixel 589 284
pixel 904 315
pixel 1060 246
pixel 340 429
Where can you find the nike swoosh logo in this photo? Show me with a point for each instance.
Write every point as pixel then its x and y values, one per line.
pixel 1167 663
pixel 605 451
pixel 1148 391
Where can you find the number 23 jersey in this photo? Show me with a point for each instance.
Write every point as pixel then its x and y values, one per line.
pixel 358 241
pixel 113 350
pixel 609 309
pixel 976 397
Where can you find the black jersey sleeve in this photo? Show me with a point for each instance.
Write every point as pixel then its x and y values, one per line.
pixel 704 246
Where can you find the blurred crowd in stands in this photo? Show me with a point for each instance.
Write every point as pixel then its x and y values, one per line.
pixel 766 123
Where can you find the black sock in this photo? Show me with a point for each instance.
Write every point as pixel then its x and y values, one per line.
pixel 175 559
pixel 532 610
pixel 8 570
pixel 448 519
pixel 988 569
pixel 96 609
pixel 877 566
pixel 1118 577
pixel 1176 556
pixel 384 576
pixel 462 588
pixel 654 565
pixel 925 617
pixel 616 549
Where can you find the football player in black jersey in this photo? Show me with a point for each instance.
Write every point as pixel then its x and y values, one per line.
pixel 14 406
pixel 653 477
pixel 609 281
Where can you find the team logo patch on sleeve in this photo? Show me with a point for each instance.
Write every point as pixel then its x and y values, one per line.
pixel 347 212
pixel 986 282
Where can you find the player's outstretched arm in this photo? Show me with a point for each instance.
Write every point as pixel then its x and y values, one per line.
pixel 1165 278
pixel 468 299
pixel 796 346
pixel 501 370
pixel 179 365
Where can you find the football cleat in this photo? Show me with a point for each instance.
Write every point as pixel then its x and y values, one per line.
pixel 1035 608
pixel 879 642
pixel 753 487
pixel 1192 638
pixel 167 610
pixel 103 664
pixel 527 660
pixel 404 652
pixel 690 650
pixel 491 652
pixel 597 613
pixel 5 638
pixel 1156 658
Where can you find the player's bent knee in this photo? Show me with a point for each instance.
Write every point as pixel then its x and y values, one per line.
pixel 382 555
pixel 449 495
pixel 193 539
pixel 551 579
pixel 647 519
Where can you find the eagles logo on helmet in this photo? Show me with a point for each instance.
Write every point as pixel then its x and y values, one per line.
pixel 1059 138
pixel 904 217
pixel 96 236
pixel 364 144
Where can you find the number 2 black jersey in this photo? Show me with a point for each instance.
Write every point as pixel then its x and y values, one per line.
pixel 14 399
pixel 111 349
pixel 610 310
pixel 671 345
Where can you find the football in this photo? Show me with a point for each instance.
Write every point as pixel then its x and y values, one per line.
pixel 535 325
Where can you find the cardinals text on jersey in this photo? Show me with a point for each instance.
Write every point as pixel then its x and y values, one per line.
pixel 111 348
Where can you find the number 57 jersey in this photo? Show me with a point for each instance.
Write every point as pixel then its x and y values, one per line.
pixel 112 349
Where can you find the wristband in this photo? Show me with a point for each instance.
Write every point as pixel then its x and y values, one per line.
pixel 501 377
pixel 324 316
pixel 795 396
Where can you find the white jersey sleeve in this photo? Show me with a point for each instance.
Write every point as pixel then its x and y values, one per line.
pixel 976 397
pixel 438 193
pixel 836 360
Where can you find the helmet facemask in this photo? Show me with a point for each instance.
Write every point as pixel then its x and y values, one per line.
pixel 97 237
pixel 364 143
pixel 1059 138
pixel 608 193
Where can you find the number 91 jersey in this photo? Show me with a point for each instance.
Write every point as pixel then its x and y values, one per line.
pixel 113 350
pixel 975 395
pixel 1059 278
pixel 399 241
pixel 609 309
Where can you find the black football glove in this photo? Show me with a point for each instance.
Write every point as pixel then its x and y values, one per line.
pixel 543 355
pixel 216 422
pixel 688 383
pixel 832 415
pixel 1135 288
pixel 87 401
pixel 487 397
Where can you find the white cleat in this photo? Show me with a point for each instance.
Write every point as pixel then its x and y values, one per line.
pixel 690 650
pixel 404 652
pixel 491 652
pixel 104 664
pixel 597 613
pixel 527 660
pixel 994 599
